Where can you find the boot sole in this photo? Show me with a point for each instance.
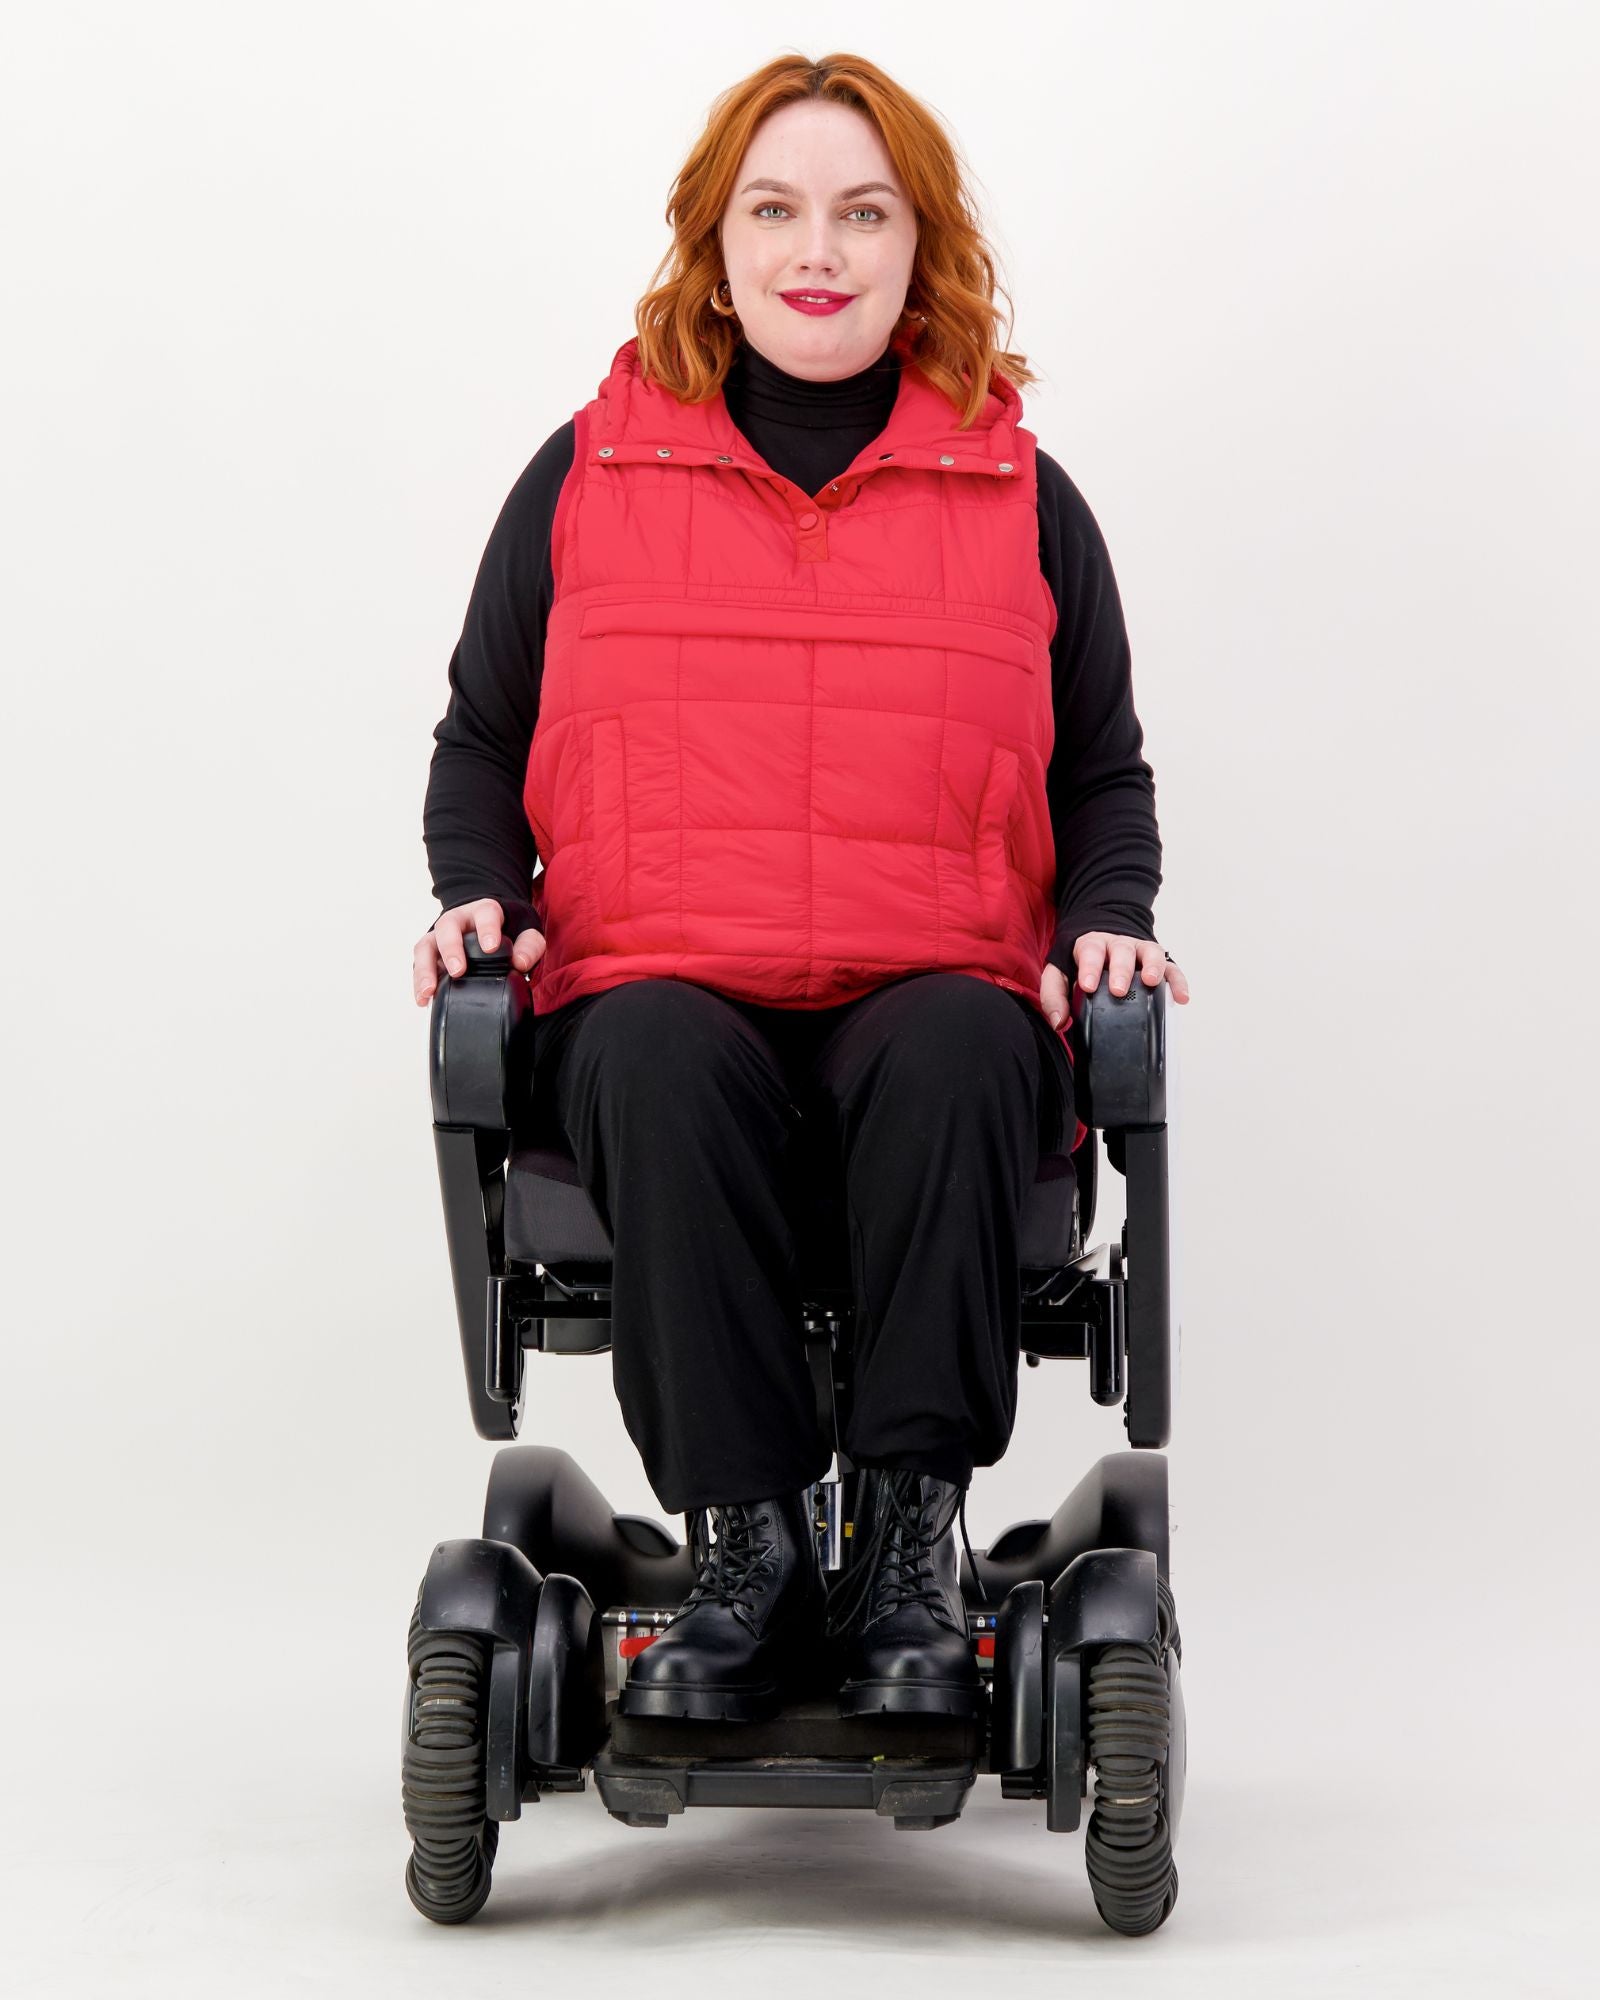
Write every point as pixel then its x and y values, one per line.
pixel 910 1698
pixel 700 1704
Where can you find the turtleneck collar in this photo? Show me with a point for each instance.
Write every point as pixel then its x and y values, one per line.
pixel 757 388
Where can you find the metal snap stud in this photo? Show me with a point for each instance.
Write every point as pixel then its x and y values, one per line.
pixel 885 454
pixel 945 458
pixel 1005 465
pixel 833 485
pixel 604 451
pixel 663 451
pixel 724 458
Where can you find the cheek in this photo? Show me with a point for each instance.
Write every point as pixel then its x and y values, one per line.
pixel 891 261
pixel 754 261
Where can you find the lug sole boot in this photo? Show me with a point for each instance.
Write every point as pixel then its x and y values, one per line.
pixel 750 1634
pixel 897 1619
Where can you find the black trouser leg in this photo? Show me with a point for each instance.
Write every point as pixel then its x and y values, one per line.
pixel 679 1116
pixel 942 1090
pixel 932 1098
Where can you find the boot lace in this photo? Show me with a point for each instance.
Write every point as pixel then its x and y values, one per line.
pixel 903 1571
pixel 737 1567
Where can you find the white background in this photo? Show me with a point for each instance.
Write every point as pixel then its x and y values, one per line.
pixel 291 297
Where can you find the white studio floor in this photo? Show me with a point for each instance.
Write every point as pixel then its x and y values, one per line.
pixel 240 1833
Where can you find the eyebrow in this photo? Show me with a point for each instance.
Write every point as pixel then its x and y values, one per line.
pixel 844 194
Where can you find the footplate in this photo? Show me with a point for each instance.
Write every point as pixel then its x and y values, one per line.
pixel 916 1794
pixel 915 1770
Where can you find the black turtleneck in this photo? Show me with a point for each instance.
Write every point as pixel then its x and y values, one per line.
pixel 1101 790
pixel 809 431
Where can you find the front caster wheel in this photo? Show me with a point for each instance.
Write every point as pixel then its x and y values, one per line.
pixel 443 1773
pixel 1138 1748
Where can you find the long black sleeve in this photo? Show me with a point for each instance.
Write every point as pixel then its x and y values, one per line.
pixel 473 825
pixel 1101 790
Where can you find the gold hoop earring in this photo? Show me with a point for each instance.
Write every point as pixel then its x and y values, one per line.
pixel 727 311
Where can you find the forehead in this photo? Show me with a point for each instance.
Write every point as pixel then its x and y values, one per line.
pixel 816 148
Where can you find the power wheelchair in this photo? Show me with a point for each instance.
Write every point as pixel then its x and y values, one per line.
pixel 521 1639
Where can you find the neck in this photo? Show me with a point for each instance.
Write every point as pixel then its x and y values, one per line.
pixel 759 388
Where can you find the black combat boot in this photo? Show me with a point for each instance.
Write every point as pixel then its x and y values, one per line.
pixel 897 1617
pixel 751 1632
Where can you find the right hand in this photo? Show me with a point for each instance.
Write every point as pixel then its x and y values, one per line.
pixel 443 944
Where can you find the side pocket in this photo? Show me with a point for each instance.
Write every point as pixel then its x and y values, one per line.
pixel 608 833
pixel 990 844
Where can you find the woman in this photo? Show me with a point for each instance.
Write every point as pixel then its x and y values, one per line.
pixel 805 674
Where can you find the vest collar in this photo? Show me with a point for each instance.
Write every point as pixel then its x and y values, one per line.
pixel 639 421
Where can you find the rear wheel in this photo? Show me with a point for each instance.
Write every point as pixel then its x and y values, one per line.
pixel 443 1782
pixel 1138 1749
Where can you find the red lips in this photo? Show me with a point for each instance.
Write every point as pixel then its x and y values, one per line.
pixel 806 302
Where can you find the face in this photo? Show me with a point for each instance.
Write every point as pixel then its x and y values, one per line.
pixel 817 207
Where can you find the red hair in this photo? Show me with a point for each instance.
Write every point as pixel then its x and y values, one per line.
pixel 950 324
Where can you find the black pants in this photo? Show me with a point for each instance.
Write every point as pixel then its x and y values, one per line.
pixel 691 1116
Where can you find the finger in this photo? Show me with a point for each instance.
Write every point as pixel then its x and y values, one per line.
pixel 528 950
pixel 424 970
pixel 1090 955
pixel 1053 995
pixel 488 920
pixel 1152 961
pixel 447 936
pixel 1180 985
pixel 1123 958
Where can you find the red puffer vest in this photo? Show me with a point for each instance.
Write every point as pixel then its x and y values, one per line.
pixel 793 747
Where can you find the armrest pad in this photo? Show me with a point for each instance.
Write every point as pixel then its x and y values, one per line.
pixel 1123 1080
pixel 480 1042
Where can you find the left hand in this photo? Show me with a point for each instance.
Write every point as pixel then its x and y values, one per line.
pixel 1124 956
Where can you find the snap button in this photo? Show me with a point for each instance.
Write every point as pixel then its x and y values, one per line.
pixel 724 458
pixel 1005 465
pixel 604 451
pixel 945 458
pixel 663 451
pixel 808 520
pixel 833 485
pixel 885 454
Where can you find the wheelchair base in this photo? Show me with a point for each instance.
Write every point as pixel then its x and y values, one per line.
pixel 917 1770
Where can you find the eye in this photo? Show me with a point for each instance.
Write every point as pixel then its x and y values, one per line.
pixel 767 207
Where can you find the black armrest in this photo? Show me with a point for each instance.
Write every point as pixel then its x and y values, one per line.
pixel 480 1042
pixel 1122 1091
pixel 480 1073
pixel 1122 1080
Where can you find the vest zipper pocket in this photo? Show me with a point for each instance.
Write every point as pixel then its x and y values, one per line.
pixel 608 825
pixel 991 844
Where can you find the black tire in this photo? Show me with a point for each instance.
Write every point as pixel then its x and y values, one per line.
pixel 1132 1696
pixel 443 1782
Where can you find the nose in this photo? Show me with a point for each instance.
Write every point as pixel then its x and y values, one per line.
pixel 819 256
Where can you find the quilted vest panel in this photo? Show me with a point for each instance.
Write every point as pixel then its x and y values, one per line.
pixel 792 747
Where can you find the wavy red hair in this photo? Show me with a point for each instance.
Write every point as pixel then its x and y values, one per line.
pixel 950 328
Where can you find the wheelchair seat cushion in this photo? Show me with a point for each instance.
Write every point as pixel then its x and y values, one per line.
pixel 549 1218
